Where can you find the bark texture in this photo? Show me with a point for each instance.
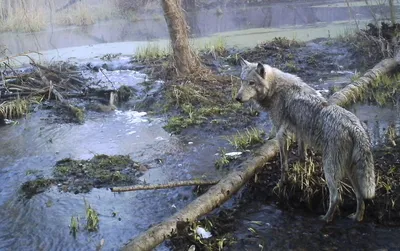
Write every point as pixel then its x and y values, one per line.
pixel 185 60
pixel 210 200
pixel 164 186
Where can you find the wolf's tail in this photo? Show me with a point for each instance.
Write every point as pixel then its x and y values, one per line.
pixel 363 162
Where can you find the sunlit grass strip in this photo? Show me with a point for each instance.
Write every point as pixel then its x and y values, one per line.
pixel 24 20
pixel 250 137
pixel 15 108
pixel 216 46
pixel 152 51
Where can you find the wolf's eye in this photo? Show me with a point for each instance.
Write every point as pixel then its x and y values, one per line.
pixel 251 82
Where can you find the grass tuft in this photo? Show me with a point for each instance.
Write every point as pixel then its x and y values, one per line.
pixel 151 52
pixel 244 140
pixel 15 108
pixel 216 47
pixel 92 218
pixel 24 20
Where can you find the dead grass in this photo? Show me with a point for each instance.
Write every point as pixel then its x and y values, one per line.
pixel 83 14
pixel 152 51
pixel 15 108
pixel 244 140
pixel 25 19
pixel 216 47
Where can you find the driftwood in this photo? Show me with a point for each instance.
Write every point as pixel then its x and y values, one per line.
pixel 232 183
pixel 164 186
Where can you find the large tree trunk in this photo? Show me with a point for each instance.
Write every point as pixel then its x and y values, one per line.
pixel 185 59
pixel 228 186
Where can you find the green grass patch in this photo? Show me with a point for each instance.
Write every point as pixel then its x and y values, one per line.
pixel 285 43
pixel 152 51
pixel 15 108
pixel 223 160
pixel 92 218
pixel 216 47
pixel 246 139
pixel 74 226
pixel 199 103
pixel 384 90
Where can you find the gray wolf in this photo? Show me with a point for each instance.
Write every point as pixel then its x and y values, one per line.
pixel 338 133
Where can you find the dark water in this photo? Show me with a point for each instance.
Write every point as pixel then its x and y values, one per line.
pixel 283 230
pixel 30 149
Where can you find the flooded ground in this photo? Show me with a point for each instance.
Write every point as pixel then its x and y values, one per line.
pixel 30 148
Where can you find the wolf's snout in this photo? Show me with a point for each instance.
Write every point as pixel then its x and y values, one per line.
pixel 238 99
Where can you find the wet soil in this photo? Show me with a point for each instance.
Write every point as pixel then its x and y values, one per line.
pixel 315 62
pixel 251 223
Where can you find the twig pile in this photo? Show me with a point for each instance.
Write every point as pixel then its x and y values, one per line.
pixel 45 82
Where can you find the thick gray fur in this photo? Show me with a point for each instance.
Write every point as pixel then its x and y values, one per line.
pixel 338 133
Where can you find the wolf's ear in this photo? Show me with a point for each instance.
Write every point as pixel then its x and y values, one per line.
pixel 243 62
pixel 261 70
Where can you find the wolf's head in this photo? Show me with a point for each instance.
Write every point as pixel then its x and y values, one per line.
pixel 256 81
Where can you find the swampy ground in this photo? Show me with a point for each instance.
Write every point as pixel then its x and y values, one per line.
pixel 205 123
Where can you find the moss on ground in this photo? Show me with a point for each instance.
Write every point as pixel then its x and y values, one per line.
pixel 79 176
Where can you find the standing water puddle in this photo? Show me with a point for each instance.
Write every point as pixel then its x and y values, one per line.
pixel 31 148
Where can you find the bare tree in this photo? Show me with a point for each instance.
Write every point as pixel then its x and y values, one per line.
pixel 185 60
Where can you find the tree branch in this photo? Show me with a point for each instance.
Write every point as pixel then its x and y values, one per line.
pixel 164 186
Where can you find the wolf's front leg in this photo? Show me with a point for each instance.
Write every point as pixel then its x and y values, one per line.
pixel 302 150
pixel 281 137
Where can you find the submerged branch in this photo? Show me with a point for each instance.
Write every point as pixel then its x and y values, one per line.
pixel 164 186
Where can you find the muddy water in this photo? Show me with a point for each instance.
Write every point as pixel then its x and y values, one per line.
pixel 30 148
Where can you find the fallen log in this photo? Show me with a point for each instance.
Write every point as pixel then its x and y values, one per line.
pixel 354 91
pixel 205 203
pixel 232 183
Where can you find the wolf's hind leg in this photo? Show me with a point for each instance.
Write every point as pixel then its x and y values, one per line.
pixel 302 150
pixel 333 175
pixel 359 214
pixel 282 140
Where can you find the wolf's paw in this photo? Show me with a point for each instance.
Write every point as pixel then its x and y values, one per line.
pixel 355 217
pixel 325 218
pixel 282 183
pixel 279 186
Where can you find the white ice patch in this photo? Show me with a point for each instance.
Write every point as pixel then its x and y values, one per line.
pixel 132 117
pixel 233 154
pixel 204 234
